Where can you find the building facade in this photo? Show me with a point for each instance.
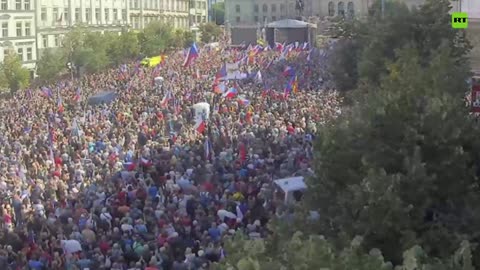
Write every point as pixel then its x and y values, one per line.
pixel 250 12
pixel 18 30
pixel 198 12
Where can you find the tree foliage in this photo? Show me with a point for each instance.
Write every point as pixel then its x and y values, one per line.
pixel 303 252
pixel 156 38
pixel 14 75
pixel 210 32
pixel 400 166
pixel 218 10
pixel 369 46
pixel 51 64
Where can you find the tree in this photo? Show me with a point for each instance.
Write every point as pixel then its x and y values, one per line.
pixel 210 32
pixel 219 13
pixel 369 46
pixel 124 47
pixel 15 75
pixel 183 38
pixel 303 252
pixel 156 38
pixel 51 64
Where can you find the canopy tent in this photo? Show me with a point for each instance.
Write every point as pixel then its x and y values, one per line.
pixel 290 185
pixel 102 98
pixel 202 110
pixel 290 31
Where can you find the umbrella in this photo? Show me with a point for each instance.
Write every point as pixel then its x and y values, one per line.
pixel 71 246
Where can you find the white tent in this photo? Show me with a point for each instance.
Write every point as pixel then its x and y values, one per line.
pixel 158 80
pixel 202 109
pixel 290 185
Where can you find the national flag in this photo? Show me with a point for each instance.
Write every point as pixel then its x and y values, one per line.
pixel 200 124
pixel 232 92
pixel 305 46
pixel 60 107
pixel 191 55
pixel 168 96
pixel 176 106
pixel 288 71
pixel 221 73
pixel 279 46
pixel 243 101
pixel 75 128
pixel 146 162
pixel 47 92
pixel 207 147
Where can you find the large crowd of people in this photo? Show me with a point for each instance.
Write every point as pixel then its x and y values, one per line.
pixel 133 183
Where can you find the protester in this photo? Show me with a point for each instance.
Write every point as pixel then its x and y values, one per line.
pixel 138 183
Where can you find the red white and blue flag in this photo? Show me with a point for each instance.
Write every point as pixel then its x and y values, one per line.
pixel 192 54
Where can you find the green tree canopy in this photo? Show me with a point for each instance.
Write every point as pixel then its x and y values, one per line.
pixel 156 38
pixel 303 252
pixel 367 47
pixel 15 76
pixel 51 64
pixel 210 32
pixel 218 10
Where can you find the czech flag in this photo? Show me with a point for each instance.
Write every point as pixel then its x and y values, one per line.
pixel 60 105
pixel 232 92
pixel 221 73
pixel 146 162
pixel 288 71
pixel 200 125
pixel 168 96
pixel 191 55
pixel 243 101
pixel 47 92
pixel 207 146
pixel 279 46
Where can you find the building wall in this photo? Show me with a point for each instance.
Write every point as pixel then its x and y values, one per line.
pixel 198 12
pixel 17 30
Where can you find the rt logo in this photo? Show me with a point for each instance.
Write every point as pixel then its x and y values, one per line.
pixel 459 20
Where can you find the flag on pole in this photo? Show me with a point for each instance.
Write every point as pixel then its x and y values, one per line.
pixel 207 146
pixel 47 92
pixel 60 107
pixel 168 96
pixel 258 77
pixel 191 55
pixel 232 92
pixel 243 101
pixel 200 124
pixel 78 94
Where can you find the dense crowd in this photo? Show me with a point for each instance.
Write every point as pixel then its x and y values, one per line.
pixel 133 184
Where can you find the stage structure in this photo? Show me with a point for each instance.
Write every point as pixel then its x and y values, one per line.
pixel 290 31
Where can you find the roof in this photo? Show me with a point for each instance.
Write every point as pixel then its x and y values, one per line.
pixel 291 184
pixel 289 23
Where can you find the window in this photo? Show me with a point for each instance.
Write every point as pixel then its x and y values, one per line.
pixel 237 19
pixel 350 10
pixel 107 14
pixel 115 14
pixel 274 18
pixel 274 8
pixel 56 40
pixel 282 8
pixel 5 29
pixel 255 8
pixel 264 19
pixel 255 18
pixel 55 14
pixel 66 16
pixel 29 54
pixel 341 9
pixel 124 14
pixel 265 8
pixel 19 29
pixel 4 5
pixel 18 4
pixel 331 9
pixel 26 4
pixel 88 14
pixel 237 8
pixel 45 41
pixel 28 27
pixel 43 15
pixel 135 3
pixel 20 53
pixel 77 15
pixel 97 14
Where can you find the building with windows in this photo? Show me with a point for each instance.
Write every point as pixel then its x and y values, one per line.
pixel 198 12
pixel 174 12
pixel 17 22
